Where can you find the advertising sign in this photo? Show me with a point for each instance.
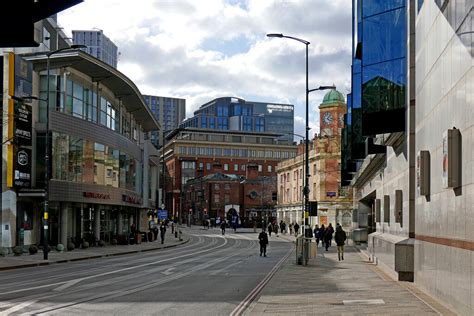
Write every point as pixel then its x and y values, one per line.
pixel 22 124
pixel 22 168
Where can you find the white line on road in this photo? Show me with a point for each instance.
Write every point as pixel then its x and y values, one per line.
pixel 68 284
pixel 168 271
pixel 363 302
pixel 16 308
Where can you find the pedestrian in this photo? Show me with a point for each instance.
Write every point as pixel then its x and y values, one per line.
pixel 223 224
pixel 275 228
pixel 340 238
pixel 291 228
pixel 155 231
pixel 328 236
pixel 316 234
pixel 297 228
pixel 263 239
pixel 321 232
pixel 270 229
pixel 172 227
pixel 162 232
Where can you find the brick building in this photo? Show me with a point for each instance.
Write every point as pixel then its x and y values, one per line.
pixel 202 157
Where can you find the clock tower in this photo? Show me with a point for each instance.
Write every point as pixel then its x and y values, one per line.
pixel 331 113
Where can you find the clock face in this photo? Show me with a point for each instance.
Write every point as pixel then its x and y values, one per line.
pixel 327 118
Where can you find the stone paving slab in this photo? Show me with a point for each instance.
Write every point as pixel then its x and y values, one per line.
pixel 26 260
pixel 327 286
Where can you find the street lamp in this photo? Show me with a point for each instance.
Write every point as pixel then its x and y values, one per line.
pixel 46 157
pixel 306 184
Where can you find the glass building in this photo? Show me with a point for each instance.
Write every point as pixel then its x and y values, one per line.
pixel 235 114
pixel 169 112
pixel 98 45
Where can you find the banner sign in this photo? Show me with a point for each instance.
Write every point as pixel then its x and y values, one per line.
pixel 22 169
pixel 23 124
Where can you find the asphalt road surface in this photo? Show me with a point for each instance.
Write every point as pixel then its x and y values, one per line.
pixel 210 275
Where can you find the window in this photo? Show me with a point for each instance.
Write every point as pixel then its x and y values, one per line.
pixel 242 167
pixel 236 167
pixel 269 168
pixel 108 116
pixel 226 198
pixel 216 198
pixel 201 165
pixel 188 165
pixel 216 186
pixel 208 166
pixel 226 166
pixel 260 168
pixel 227 186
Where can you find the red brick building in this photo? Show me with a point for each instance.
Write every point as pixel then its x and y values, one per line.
pixel 210 157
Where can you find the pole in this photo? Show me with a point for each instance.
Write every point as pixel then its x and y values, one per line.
pixel 46 169
pixel 163 192
pixel 306 184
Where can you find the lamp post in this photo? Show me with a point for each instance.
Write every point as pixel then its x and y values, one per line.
pixel 46 156
pixel 306 184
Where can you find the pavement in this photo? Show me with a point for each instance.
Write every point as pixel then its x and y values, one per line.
pixel 354 286
pixel 26 260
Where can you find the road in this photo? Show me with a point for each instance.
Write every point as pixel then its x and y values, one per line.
pixel 210 275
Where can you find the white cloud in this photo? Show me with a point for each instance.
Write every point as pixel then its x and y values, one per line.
pixel 166 47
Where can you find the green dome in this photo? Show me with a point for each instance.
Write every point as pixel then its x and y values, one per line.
pixel 333 96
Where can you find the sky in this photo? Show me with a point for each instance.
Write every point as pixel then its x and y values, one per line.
pixel 202 50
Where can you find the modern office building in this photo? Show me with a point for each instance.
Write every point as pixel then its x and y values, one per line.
pixel 102 177
pixel 235 114
pixel 98 45
pixel 330 201
pixel 169 112
pixel 408 141
pixel 193 153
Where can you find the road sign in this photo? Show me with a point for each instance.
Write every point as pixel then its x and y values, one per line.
pixel 162 214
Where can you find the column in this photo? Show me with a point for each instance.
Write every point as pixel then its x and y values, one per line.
pixel 119 223
pixel 97 222
pixel 64 223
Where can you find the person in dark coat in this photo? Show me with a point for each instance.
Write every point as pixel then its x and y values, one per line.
pixel 223 225
pixel 340 238
pixel 297 228
pixel 162 232
pixel 321 232
pixel 263 239
pixel 328 236
pixel 270 229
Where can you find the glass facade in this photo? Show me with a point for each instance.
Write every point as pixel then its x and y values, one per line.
pixel 85 161
pixel 383 38
pixel 239 115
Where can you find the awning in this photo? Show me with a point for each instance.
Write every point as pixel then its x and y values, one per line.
pixel 107 75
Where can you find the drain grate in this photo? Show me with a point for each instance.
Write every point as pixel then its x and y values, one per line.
pixel 363 302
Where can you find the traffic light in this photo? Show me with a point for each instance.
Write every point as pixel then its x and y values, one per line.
pixel 313 208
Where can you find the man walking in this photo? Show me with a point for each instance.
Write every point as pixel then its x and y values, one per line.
pixel 297 228
pixel 223 224
pixel 340 238
pixel 162 231
pixel 263 239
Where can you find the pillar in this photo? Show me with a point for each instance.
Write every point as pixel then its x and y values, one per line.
pixel 97 223
pixel 119 223
pixel 64 223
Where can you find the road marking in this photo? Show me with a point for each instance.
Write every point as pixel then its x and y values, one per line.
pixel 216 272
pixel 168 271
pixel 363 302
pixel 68 284
pixel 253 294
pixel 17 307
pixel 116 271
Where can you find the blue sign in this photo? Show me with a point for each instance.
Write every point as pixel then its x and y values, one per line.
pixel 162 214
pixel 331 194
